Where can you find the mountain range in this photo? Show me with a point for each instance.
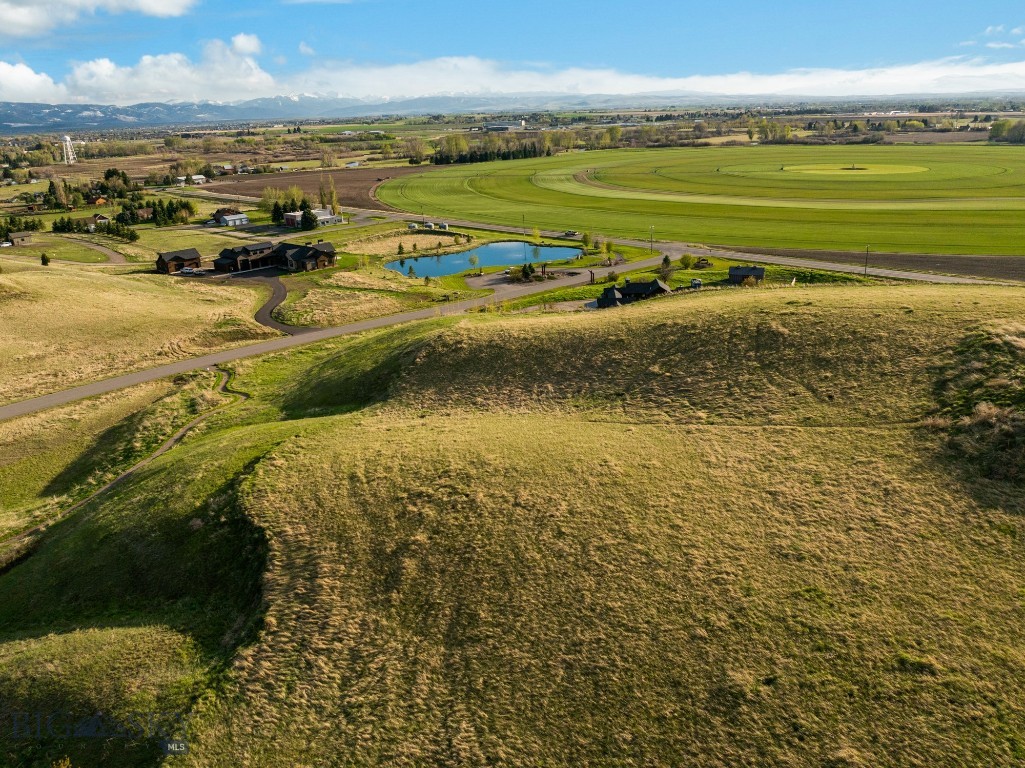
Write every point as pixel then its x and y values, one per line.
pixel 17 117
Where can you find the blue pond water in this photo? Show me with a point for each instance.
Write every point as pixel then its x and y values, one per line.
pixel 491 255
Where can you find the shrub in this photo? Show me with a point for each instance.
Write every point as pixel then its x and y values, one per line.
pixel 686 261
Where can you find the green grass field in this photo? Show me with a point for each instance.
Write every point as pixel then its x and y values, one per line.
pixel 709 530
pixel 916 199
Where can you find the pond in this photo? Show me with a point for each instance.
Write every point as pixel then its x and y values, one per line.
pixel 507 254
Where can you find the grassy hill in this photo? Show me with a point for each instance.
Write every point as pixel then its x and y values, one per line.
pixel 712 530
pixel 68 325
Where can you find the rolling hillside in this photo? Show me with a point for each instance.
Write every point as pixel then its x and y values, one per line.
pixel 714 530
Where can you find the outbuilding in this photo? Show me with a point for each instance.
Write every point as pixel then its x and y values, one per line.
pixel 20 238
pixel 739 274
pixel 175 261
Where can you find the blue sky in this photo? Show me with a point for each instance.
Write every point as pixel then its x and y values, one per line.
pixel 125 51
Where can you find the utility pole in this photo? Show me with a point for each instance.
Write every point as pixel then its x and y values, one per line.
pixel 651 239
pixel 866 261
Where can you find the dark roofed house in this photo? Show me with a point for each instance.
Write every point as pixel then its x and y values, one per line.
pixel 630 292
pixel 739 274
pixel 175 261
pixel 306 258
pixel 20 238
pixel 242 258
pixel 610 297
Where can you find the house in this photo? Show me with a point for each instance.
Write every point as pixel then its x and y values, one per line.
pixel 180 180
pixel 242 258
pixel 305 258
pixel 234 220
pixel 175 261
pixel 144 214
pixel 324 218
pixel 198 179
pixel 631 292
pixel 291 256
pixel 88 223
pixel 739 274
pixel 610 297
pixel 97 200
pixel 102 219
pixel 20 238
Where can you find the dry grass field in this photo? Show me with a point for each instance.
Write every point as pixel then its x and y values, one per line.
pixel 67 325
pixel 712 530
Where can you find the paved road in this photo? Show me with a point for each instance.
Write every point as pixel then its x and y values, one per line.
pixel 264 315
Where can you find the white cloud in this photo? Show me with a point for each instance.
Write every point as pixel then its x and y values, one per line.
pixel 1018 31
pixel 967 43
pixel 306 50
pixel 225 72
pixel 246 45
pixel 20 83
pixel 995 30
pixel 33 17
pixel 999 46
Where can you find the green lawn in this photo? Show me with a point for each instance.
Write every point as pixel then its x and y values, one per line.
pixel 932 199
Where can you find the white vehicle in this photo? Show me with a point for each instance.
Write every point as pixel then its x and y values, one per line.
pixel 411 225
pixel 5 244
pixel 442 226
pixel 199 272
pixel 186 271
pixel 428 225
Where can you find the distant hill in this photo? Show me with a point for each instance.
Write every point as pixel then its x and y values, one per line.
pixel 20 117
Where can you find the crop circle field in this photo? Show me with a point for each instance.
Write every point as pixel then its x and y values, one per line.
pixel 953 199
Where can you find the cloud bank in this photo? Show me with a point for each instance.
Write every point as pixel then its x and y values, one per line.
pixel 230 71
pixel 23 18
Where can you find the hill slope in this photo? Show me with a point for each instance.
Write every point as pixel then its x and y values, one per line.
pixel 705 531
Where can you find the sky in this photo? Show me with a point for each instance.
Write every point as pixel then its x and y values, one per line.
pixel 131 51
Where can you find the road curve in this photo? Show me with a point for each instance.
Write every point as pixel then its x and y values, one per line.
pixel 33 405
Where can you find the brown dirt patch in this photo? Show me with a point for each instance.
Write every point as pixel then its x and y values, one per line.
pixel 354 185
pixel 426 245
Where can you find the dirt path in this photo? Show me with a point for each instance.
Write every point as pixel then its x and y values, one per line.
pixel 28 540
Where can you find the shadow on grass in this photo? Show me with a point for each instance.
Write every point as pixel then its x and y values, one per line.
pixel 197 574
pixel 980 396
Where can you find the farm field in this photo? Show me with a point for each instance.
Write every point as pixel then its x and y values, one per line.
pixel 66 325
pixel 354 185
pixel 908 199
pixel 724 528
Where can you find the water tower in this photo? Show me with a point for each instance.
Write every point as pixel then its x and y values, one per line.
pixel 69 151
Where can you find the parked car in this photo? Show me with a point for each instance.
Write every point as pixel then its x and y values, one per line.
pixel 412 225
pixel 428 225
pixel 186 271
pixel 571 233
pixel 199 272
pixel 442 226
pixel 5 244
